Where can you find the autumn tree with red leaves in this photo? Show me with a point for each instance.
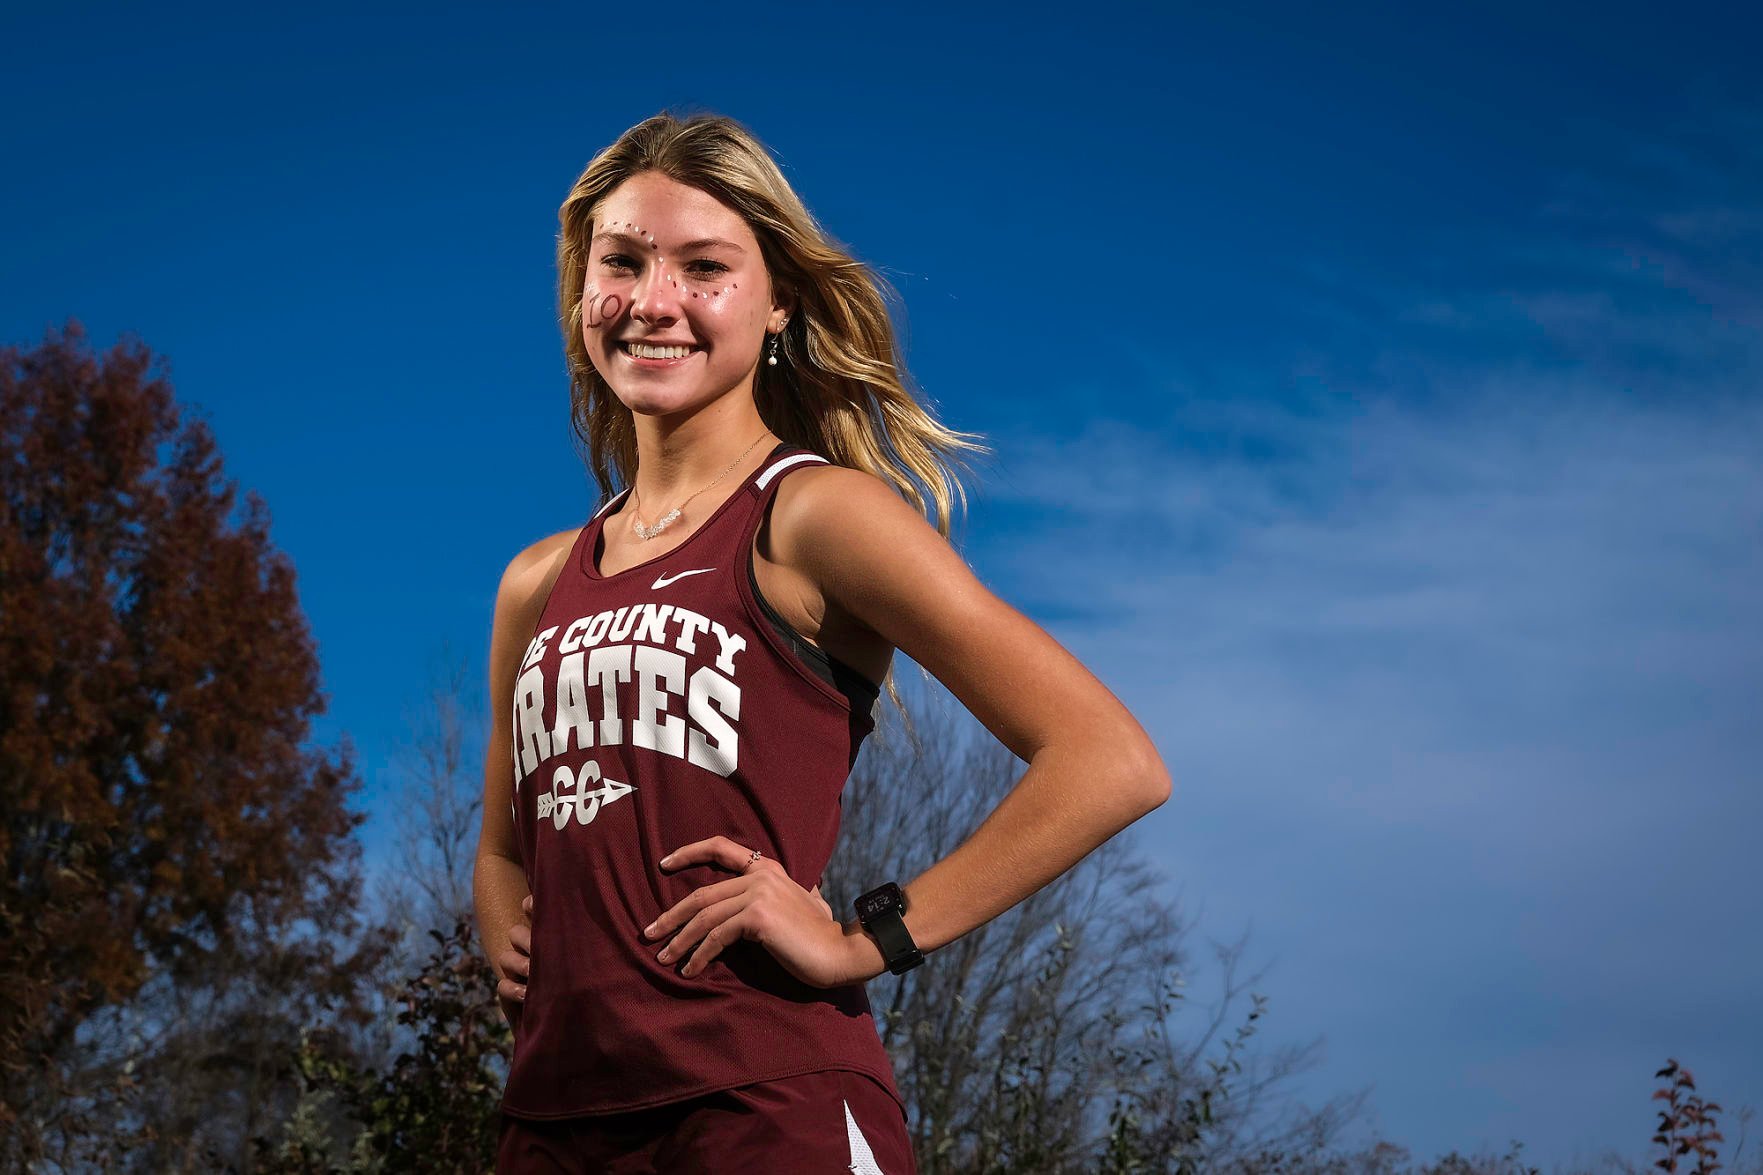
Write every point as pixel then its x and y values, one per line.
pixel 181 870
pixel 1687 1124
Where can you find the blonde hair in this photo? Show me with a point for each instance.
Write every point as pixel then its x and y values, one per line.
pixel 840 388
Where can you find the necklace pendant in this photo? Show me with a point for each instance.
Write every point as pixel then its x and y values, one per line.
pixel 661 524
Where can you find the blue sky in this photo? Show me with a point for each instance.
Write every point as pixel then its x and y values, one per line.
pixel 1376 399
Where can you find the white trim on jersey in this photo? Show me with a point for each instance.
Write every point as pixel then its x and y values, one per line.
pixel 614 500
pixel 785 464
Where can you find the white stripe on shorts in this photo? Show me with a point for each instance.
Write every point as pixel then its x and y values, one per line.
pixel 862 1158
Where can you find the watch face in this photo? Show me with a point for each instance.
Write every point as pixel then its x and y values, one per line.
pixel 879 901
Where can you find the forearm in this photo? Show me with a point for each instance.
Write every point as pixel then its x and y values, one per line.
pixel 1059 812
pixel 498 888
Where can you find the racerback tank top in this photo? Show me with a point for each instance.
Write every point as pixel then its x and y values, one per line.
pixel 654 707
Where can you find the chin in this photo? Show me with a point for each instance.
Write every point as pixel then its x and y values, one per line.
pixel 643 402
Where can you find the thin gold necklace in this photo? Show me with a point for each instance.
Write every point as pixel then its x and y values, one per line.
pixel 648 532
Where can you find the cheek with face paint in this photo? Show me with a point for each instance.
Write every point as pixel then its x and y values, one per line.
pixel 599 308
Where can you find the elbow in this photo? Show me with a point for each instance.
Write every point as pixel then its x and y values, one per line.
pixel 1138 782
pixel 1155 783
pixel 1161 790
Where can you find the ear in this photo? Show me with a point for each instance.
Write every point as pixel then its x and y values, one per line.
pixel 783 309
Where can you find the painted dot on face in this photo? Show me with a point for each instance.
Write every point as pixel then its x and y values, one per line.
pixel 654 245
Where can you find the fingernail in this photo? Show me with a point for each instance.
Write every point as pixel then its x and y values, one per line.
pixel 649 931
pixel 667 860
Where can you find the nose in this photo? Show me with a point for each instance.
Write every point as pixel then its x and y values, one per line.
pixel 655 297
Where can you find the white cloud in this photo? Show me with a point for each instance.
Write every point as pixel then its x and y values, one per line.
pixel 1459 698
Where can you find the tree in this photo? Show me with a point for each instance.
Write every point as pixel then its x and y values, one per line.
pixel 180 865
pixel 435 1109
pixel 426 886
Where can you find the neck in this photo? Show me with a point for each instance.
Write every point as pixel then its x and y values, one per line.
pixel 677 458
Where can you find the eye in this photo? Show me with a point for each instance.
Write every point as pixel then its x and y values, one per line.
pixel 706 269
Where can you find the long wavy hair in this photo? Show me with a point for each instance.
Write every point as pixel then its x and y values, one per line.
pixel 840 388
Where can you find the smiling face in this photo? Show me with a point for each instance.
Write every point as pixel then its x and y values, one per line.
pixel 674 265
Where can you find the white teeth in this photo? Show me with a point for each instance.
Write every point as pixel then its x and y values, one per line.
pixel 644 352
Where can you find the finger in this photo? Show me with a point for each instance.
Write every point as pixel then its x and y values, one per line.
pixel 699 925
pixel 707 934
pixel 515 963
pixel 717 850
pixel 508 989
pixel 521 937
pixel 687 907
pixel 526 907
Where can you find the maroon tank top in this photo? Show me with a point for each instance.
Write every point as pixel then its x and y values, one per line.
pixel 655 707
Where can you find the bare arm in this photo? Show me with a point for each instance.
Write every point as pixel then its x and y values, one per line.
pixel 499 889
pixel 1092 768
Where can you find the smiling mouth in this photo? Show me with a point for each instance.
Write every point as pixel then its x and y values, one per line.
pixel 628 349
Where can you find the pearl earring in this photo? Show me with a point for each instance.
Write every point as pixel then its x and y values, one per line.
pixel 771 360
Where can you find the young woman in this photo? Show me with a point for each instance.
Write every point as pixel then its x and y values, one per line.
pixel 682 685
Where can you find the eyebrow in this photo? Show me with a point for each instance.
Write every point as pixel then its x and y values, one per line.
pixel 689 246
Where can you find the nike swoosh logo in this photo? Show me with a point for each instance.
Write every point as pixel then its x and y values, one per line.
pixel 662 581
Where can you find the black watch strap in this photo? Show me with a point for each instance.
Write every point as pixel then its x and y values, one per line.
pixel 880 912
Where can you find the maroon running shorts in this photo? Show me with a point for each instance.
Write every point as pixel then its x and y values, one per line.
pixel 834 1121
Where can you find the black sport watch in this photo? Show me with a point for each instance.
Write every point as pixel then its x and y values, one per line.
pixel 879 911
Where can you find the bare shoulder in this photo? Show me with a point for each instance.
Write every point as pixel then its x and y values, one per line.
pixel 833 509
pixel 853 535
pixel 529 575
pixel 520 598
pixel 836 495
